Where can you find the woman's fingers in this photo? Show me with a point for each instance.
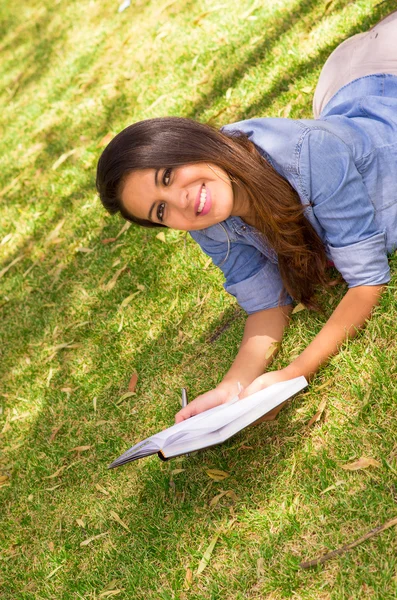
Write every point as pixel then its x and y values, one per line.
pixel 255 386
pixel 200 404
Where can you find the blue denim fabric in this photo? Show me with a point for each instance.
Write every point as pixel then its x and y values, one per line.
pixel 344 168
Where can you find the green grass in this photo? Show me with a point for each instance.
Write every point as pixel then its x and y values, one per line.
pixel 71 73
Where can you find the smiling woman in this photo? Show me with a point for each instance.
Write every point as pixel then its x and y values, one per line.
pixel 179 198
pixel 274 201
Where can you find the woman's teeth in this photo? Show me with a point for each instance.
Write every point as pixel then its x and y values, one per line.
pixel 203 197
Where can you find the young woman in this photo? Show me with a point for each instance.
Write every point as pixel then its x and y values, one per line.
pixel 274 201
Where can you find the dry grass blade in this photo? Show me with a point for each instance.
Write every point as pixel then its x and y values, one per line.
pixel 14 262
pixel 116 518
pixel 62 158
pixel 54 571
pixel 91 539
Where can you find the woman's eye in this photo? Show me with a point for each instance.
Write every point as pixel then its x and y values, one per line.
pixel 160 211
pixel 166 177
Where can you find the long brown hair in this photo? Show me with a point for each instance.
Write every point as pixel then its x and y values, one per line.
pixel 172 142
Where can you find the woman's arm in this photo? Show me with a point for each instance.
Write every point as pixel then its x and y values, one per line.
pixel 262 329
pixel 349 316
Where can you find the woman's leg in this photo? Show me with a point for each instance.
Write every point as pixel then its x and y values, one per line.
pixel 374 51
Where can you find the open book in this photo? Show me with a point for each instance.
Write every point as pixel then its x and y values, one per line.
pixel 213 426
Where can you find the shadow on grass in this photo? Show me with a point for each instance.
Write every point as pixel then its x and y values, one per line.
pixel 272 444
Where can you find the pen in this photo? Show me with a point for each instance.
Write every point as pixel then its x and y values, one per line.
pixel 184 404
pixel 184 397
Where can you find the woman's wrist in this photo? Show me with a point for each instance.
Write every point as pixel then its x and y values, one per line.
pixel 230 388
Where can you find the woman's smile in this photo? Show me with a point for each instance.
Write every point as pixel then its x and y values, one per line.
pixel 203 203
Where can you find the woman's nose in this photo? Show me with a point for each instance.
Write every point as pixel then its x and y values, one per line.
pixel 181 199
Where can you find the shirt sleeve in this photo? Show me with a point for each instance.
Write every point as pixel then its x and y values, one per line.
pixel 250 276
pixel 340 202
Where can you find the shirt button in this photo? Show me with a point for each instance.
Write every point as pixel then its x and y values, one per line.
pixel 243 228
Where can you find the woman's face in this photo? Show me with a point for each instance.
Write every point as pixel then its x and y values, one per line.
pixel 191 197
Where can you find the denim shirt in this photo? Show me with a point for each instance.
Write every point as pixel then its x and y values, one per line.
pixel 344 169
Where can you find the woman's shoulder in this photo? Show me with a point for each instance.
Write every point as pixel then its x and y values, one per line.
pixel 277 139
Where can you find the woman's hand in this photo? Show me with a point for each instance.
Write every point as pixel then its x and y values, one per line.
pixel 220 395
pixel 264 381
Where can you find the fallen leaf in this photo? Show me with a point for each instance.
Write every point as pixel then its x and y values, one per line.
pixel 141 287
pixel 120 327
pixel 58 472
pixel 124 397
pixel 161 236
pixel 108 240
pixel 110 284
pixel 80 448
pixel 124 5
pixel 101 489
pixel 116 517
pixel 80 523
pixel 62 158
pixel 125 228
pixel 133 382
pixel 105 140
pixel 6 239
pixel 110 592
pixel 8 267
pixel 216 498
pixel 324 385
pixel 91 539
pixel 316 417
pixel 127 300
pixel 260 571
pixel 197 20
pixel 3 479
pixel 94 400
pixel 298 308
pixel 207 264
pixel 333 487
pixel 177 471
pixel 217 475
pixel 207 554
pixel 55 430
pixel 9 187
pixel 307 89
pixel 273 348
pixel 51 489
pixel 362 463
pixel 86 250
pixel 188 579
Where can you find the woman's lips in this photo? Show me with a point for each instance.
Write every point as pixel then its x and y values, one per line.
pixel 207 203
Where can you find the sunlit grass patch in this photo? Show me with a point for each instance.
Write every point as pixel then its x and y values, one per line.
pixel 71 74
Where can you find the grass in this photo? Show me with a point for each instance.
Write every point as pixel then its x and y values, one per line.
pixel 72 73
